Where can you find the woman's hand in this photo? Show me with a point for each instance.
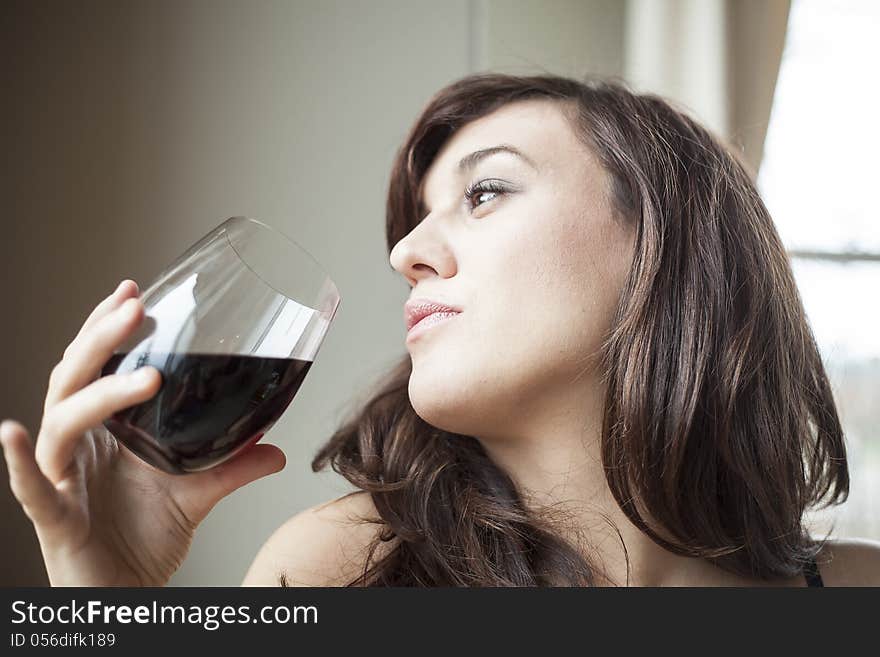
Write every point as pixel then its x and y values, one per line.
pixel 102 515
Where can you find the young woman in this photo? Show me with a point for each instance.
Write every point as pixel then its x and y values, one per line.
pixel 610 380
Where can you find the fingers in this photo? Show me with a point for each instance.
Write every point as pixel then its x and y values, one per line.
pixel 87 354
pixel 205 489
pixel 65 423
pixel 126 289
pixel 36 494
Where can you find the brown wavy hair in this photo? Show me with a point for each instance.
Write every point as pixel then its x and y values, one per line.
pixel 719 426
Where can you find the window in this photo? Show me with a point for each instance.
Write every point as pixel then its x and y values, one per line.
pixel 819 179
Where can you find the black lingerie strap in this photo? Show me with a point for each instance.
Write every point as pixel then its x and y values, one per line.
pixel 811 574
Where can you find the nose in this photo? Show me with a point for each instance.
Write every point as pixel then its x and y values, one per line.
pixel 423 253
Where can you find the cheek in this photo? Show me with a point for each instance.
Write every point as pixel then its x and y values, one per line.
pixel 528 332
pixel 562 302
pixel 541 307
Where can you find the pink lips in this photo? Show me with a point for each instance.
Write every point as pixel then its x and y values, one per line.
pixel 421 314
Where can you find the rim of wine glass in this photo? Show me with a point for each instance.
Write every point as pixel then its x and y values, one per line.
pixel 289 240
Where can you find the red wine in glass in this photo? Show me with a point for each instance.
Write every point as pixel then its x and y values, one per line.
pixel 208 406
pixel 233 326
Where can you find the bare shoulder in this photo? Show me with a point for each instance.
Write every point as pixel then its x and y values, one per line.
pixel 850 562
pixel 325 545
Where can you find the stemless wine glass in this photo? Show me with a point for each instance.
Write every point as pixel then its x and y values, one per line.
pixel 233 325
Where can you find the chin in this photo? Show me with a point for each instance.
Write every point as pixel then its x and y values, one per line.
pixel 452 403
pixel 433 400
pixel 440 399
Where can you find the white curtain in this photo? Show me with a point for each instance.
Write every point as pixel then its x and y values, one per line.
pixel 717 58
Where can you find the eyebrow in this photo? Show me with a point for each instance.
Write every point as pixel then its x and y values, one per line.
pixel 470 161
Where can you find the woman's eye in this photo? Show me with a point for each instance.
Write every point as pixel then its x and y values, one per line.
pixel 481 190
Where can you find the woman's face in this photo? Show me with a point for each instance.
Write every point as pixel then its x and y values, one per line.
pixel 536 268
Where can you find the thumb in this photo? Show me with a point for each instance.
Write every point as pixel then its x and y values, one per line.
pixel 205 489
pixel 38 497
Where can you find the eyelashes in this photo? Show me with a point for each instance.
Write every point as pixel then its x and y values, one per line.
pixel 475 190
pixel 488 186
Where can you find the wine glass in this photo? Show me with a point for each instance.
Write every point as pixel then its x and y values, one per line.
pixel 234 325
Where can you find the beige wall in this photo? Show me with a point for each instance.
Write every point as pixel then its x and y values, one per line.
pixel 566 37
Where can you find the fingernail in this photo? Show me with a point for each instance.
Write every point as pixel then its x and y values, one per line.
pixel 122 285
pixel 5 427
pixel 141 375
